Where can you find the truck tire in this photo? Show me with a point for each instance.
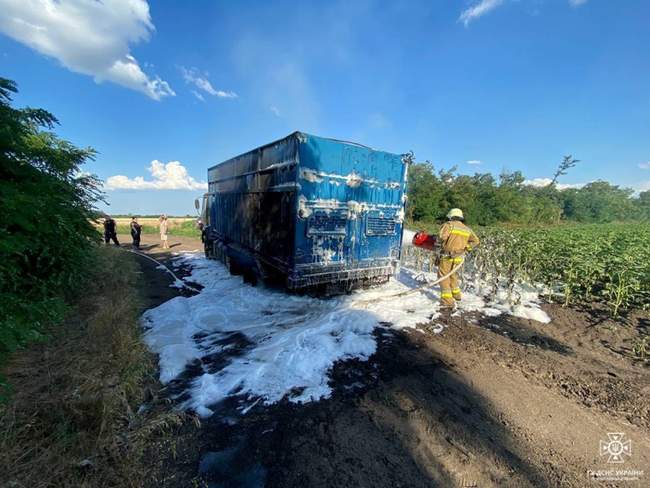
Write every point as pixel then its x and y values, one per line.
pixel 232 265
pixel 250 276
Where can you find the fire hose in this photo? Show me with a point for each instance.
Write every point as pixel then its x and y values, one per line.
pixel 419 288
pixel 178 280
pixel 428 242
pixel 429 285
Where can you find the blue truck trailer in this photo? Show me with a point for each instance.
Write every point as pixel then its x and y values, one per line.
pixel 309 212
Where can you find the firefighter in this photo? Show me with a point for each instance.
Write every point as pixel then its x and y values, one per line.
pixel 110 230
pixel 455 240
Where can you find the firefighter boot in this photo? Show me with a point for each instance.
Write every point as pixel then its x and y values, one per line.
pixel 445 315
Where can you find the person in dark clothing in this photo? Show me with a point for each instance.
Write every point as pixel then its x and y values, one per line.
pixel 201 226
pixel 110 228
pixel 136 230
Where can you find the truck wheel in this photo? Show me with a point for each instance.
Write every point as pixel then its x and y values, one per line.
pixel 250 277
pixel 232 266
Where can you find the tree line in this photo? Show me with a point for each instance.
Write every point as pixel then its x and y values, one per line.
pixel 46 235
pixel 487 200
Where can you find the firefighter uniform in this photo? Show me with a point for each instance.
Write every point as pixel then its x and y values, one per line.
pixel 455 239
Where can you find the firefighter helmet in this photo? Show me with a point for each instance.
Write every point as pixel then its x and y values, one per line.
pixel 455 212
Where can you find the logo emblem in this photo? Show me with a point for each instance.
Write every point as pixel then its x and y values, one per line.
pixel 615 447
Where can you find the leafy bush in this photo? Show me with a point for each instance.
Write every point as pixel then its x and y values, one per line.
pixel 46 233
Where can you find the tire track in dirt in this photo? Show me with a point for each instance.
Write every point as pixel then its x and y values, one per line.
pixel 572 364
pixel 559 404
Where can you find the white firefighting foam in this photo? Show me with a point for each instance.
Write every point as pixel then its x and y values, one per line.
pixel 407 238
pixel 263 345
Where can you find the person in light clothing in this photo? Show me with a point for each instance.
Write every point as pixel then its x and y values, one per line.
pixel 164 227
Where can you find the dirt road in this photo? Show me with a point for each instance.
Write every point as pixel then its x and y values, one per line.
pixel 150 243
pixel 488 402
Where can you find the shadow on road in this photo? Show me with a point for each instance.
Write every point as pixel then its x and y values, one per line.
pixel 520 333
pixel 404 418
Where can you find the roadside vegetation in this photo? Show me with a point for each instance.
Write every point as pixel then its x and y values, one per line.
pixel 73 416
pixel 70 401
pixel 46 236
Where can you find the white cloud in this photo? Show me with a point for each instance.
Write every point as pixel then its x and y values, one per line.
pixel 170 176
pixel 193 77
pixel 88 37
pixel 645 165
pixel 226 94
pixel 275 110
pixel 198 95
pixel 567 186
pixel 538 182
pixel 474 162
pixel 577 3
pixel 643 186
pixel 541 182
pixel 478 10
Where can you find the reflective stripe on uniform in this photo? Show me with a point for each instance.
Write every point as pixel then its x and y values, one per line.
pixel 455 291
pixel 460 232
pixel 446 295
pixel 456 260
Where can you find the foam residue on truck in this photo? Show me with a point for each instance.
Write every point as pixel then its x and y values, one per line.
pixel 308 210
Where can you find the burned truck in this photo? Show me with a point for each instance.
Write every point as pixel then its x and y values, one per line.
pixel 308 212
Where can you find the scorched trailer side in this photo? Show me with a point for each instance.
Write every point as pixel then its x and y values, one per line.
pixel 309 210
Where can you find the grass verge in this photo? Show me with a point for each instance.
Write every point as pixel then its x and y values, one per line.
pixel 185 229
pixel 72 418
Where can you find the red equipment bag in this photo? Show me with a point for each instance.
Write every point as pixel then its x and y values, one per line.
pixel 424 240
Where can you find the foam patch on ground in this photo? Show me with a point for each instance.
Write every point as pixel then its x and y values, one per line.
pixel 521 301
pixel 263 345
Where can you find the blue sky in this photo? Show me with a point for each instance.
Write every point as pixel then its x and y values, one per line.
pixel 514 84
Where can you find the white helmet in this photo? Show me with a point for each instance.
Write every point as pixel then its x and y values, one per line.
pixel 455 212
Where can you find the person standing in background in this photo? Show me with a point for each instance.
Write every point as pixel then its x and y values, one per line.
pixel 136 230
pixel 110 228
pixel 164 227
pixel 201 226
